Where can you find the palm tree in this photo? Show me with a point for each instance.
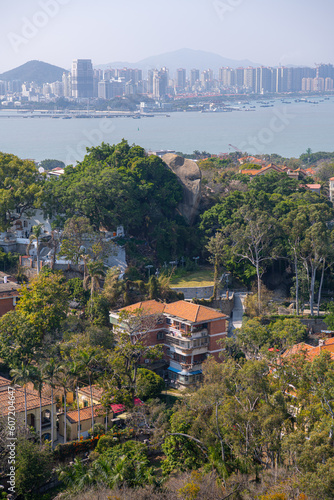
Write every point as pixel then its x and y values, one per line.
pixel 22 376
pixel 95 271
pixel 85 257
pixel 38 386
pixel 86 359
pixel 76 372
pixel 64 381
pixel 51 371
pixel 36 234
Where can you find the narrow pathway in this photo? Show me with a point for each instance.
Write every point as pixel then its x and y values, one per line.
pixel 237 313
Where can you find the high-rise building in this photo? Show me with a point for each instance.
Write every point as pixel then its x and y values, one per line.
pixel 227 77
pixel 239 77
pixel 326 71
pixel 57 89
pixel 263 80
pixel 103 89
pixel 249 78
pixel 328 84
pixel 307 84
pixel 206 79
pixel 318 84
pixel 160 83
pixel 181 79
pixel 194 77
pixel 67 84
pixel 82 78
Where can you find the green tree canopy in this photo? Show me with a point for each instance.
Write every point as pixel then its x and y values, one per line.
pixel 21 188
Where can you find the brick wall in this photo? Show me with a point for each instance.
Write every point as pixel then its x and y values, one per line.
pixel 217 331
pixel 6 305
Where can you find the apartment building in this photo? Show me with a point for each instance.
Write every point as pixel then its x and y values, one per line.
pixel 188 332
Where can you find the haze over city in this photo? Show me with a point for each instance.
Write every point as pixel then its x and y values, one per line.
pixel 57 31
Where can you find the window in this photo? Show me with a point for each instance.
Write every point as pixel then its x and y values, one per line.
pixel 160 335
pixel 168 321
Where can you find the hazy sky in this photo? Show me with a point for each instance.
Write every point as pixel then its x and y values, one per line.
pixel 269 32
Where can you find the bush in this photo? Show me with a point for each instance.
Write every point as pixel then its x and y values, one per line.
pixel 72 449
pixel 149 384
pixel 33 468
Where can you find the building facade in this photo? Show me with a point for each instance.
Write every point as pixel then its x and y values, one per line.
pixel 82 78
pixel 188 332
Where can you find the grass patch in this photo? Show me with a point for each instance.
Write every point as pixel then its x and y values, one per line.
pixel 201 277
pixel 169 399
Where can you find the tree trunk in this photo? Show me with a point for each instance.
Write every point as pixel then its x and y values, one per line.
pixel 297 285
pixel 79 424
pixel 215 279
pixel 65 423
pixel 40 419
pixel 312 290
pixel 91 401
pixel 320 287
pixel 25 408
pixel 258 287
pixel 37 246
pixel 51 418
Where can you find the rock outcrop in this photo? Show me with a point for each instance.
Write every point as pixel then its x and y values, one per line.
pixel 190 178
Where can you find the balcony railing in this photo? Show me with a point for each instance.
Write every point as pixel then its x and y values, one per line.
pixel 190 366
pixel 46 423
pixel 187 344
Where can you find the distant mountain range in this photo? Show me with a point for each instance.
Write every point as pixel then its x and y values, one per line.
pixel 183 58
pixel 34 71
pixel 41 72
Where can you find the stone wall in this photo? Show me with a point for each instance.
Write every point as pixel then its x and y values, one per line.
pixel 201 292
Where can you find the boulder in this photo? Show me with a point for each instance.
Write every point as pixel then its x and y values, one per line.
pixel 190 178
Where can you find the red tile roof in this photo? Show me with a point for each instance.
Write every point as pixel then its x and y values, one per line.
pixel 85 413
pixel 181 309
pixel 192 312
pixel 119 408
pixel 310 351
pixel 148 307
pixel 4 382
pixel 32 401
pixel 96 391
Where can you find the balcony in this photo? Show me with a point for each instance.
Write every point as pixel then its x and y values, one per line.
pixel 187 345
pixel 191 366
pixel 46 423
pixel 198 333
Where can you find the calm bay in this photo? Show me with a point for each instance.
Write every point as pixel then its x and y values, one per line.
pixel 286 128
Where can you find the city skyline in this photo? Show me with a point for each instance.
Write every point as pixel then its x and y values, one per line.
pixel 58 31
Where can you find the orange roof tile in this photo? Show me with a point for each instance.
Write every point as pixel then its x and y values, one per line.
pixel 192 312
pixel 85 413
pixel 4 382
pixel 148 306
pixel 96 391
pixel 32 401
pixel 310 351
pixel 181 309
